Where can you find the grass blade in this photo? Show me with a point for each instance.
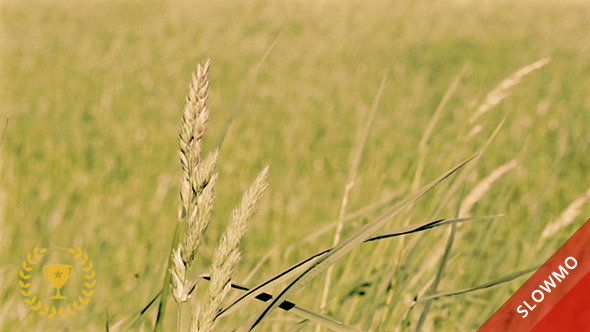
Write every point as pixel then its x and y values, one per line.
pixel 496 282
pixel 5 129
pixel 424 226
pixel 442 264
pixel 166 286
pixel 422 146
pixel 351 243
pixel 326 322
pixel 238 104
pixel 107 321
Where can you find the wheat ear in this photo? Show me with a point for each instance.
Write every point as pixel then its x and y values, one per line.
pixel 484 186
pixel 197 186
pixel 502 90
pixel 566 217
pixel 227 255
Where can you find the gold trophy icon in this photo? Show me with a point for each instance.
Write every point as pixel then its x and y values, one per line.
pixel 58 274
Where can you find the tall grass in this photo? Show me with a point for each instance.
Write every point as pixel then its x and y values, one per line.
pixel 197 196
pixel 95 95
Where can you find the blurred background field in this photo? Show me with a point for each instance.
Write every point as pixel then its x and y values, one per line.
pixel 95 91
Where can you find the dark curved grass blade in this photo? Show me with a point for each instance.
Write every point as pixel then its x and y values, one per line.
pixel 496 282
pixel 424 226
pixel 350 243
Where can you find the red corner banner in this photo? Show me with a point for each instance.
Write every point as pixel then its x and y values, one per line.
pixel 556 297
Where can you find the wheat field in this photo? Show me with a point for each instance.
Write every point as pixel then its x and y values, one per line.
pixel 353 106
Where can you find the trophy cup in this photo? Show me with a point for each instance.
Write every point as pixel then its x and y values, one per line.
pixel 58 274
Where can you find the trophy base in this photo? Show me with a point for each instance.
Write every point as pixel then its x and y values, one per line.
pixel 58 297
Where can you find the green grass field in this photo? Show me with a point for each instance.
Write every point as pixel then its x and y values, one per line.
pixel 95 92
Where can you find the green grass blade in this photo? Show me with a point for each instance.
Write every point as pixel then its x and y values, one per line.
pixel 166 286
pixel 107 321
pixel 324 321
pixel 443 262
pixel 351 243
pixel 496 282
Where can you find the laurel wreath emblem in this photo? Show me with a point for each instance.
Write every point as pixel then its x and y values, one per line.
pixel 48 310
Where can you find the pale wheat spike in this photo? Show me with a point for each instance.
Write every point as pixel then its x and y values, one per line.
pixel 474 131
pixel 484 186
pixel 192 129
pixel 567 216
pixel 204 171
pixel 195 316
pixel 501 91
pixel 178 281
pixel 198 220
pixel 227 255
pixel 197 188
